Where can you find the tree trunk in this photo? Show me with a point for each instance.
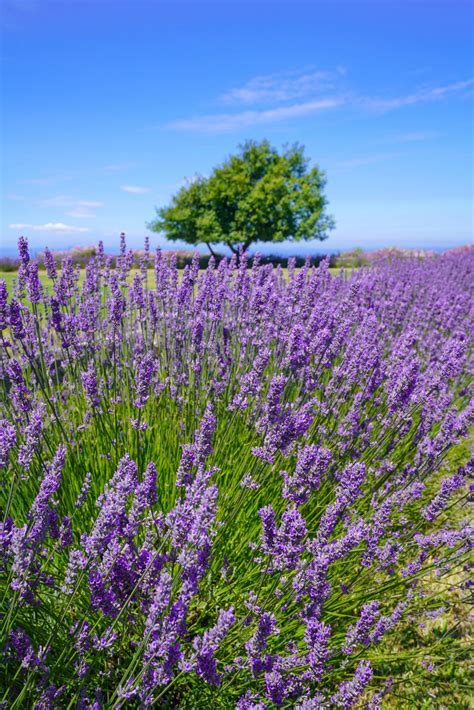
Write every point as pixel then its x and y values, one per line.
pixel 213 253
pixel 232 248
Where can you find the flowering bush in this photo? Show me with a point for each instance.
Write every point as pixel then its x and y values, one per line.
pixel 225 491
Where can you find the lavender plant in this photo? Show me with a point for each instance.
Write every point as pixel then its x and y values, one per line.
pixel 225 491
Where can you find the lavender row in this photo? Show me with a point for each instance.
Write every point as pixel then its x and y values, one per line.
pixel 226 488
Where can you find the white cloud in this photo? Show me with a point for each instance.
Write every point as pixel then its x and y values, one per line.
pixel 220 122
pixel 420 96
pixel 286 86
pixel 51 227
pixel 135 189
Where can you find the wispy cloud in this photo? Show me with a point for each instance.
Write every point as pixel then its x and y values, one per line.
pixel 411 137
pixel 116 167
pixel 46 181
pixel 17 198
pixel 278 89
pixel 72 206
pixel 51 227
pixel 90 203
pixel 363 160
pixel 80 213
pixel 135 189
pixel 421 96
pixel 64 176
pixel 221 122
pixel 287 86
pixel 14 12
pixel 67 201
pixel 55 201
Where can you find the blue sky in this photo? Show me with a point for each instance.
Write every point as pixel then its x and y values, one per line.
pixel 108 106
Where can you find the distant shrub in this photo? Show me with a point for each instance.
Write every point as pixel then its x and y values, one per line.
pixel 465 249
pixel 7 264
pixel 78 255
pixel 352 259
pixel 392 253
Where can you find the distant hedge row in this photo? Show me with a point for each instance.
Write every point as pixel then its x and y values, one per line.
pixel 183 258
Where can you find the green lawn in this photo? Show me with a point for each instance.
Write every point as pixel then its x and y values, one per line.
pixel 10 276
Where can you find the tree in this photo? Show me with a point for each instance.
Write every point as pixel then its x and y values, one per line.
pixel 256 195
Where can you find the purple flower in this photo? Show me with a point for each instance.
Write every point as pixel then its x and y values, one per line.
pixel 316 638
pixel 163 650
pixel 81 498
pixel 41 509
pixel 273 406
pixel 56 317
pixel 7 441
pixel 91 386
pixel 77 562
pixel 258 642
pixel 16 322
pixel 387 623
pixel 146 368
pixel 350 691
pixel 23 251
pixel 357 385
pixel 184 474
pixel 3 305
pixel 112 503
pixel 310 468
pixel 203 444
pixel 249 701
pixel 20 648
pixel 448 486
pixel 32 436
pixel 249 482
pixel 20 393
pixel 207 645
pixel 347 492
pixel 195 455
pixel 116 304
pixel 275 686
pixel 145 497
pixel 252 382
pixel 358 633
pixel 33 283
pixel 269 529
pixel 289 539
pixel 123 243
pixel 315 703
pixel 25 541
pixel 50 264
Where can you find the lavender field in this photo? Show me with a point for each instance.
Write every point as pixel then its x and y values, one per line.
pixel 237 488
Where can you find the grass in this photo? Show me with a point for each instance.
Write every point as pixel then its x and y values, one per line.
pixel 10 276
pixel 448 684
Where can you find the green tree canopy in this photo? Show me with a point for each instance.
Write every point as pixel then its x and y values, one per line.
pixel 256 195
